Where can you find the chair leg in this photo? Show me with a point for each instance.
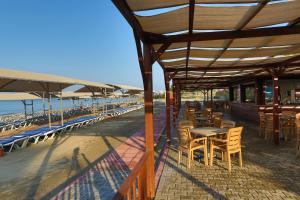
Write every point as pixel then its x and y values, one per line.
pixel 229 161
pixel 205 154
pixel 179 156
pixel 240 158
pixel 211 157
pixel 192 154
pixel 222 156
pixel 189 159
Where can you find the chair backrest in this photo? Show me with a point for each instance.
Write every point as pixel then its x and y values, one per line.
pixel 217 122
pixel 217 114
pixel 228 124
pixel 234 136
pixel 269 121
pixel 207 111
pixel 184 136
pixel 186 123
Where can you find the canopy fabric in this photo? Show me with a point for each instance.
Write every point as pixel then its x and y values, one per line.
pixel 17 96
pixel 191 57
pixel 21 81
pixel 127 89
pixel 75 95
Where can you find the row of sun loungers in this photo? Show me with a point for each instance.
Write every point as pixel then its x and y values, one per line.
pixel 15 125
pixel 22 140
pixel 120 111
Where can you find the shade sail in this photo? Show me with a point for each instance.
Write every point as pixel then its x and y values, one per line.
pixel 17 96
pixel 21 81
pixel 190 54
pixel 127 89
pixel 95 87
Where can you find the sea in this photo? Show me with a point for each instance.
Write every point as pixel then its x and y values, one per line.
pixel 14 107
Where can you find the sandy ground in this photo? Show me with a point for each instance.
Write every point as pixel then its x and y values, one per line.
pixel 35 171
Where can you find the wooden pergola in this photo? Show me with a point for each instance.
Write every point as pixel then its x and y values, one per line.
pixel 207 44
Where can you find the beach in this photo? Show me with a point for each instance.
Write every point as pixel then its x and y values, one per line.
pixel 34 172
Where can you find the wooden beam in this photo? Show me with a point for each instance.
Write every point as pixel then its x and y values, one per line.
pixel 223 35
pixel 191 24
pixel 128 15
pixel 149 129
pixel 140 54
pixel 159 52
pixel 168 106
pixel 242 67
pixel 6 84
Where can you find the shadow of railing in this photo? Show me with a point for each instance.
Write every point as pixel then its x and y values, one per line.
pixel 100 179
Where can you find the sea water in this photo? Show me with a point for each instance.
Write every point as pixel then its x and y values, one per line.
pixel 13 107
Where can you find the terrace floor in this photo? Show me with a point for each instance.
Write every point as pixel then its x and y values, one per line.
pixel 269 172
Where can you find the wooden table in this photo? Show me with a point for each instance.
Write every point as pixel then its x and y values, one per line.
pixel 208 131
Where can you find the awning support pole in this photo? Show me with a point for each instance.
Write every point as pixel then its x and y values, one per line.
pixel 49 110
pixel 61 109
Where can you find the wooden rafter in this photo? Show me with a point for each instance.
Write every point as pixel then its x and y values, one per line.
pixel 159 52
pixel 191 24
pixel 140 54
pixel 242 67
pixel 223 35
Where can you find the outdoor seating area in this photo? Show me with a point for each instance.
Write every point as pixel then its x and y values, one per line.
pixel 249 49
pixel 23 139
pixel 208 130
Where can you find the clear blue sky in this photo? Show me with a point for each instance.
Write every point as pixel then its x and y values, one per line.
pixel 86 39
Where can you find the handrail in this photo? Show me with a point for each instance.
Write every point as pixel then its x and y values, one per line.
pixel 135 186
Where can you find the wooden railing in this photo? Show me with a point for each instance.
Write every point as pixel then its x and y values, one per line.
pixel 135 186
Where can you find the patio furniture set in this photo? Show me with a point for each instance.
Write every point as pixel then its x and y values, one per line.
pixel 206 130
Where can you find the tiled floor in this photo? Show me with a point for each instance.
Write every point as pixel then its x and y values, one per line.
pixel 269 172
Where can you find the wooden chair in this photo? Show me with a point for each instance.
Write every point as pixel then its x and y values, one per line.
pixel 228 146
pixel 186 123
pixel 288 124
pixel 227 124
pixel 217 122
pixel 268 126
pixel 188 144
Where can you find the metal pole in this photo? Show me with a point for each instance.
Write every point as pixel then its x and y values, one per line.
pixel 49 110
pixel 61 109
pixel 32 109
pixel 44 106
pixel 275 111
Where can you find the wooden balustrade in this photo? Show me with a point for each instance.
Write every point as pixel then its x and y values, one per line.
pixel 135 186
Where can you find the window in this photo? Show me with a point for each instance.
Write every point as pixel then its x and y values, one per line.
pixel 236 94
pixel 250 94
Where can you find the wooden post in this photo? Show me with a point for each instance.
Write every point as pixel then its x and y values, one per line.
pixel 174 105
pixel 275 110
pixel 168 125
pixel 242 93
pixel 231 94
pixel 207 99
pixel 211 98
pixel 149 132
